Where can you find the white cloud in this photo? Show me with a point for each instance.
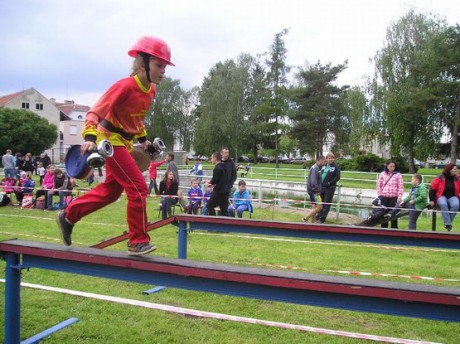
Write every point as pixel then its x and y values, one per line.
pixel 77 49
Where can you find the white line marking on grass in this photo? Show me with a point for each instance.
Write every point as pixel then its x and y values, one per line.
pixel 220 316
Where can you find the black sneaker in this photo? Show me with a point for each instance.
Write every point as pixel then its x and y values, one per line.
pixel 65 228
pixel 140 249
pixel 448 227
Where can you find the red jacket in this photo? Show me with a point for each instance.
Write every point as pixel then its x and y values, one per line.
pixel 439 183
pixel 153 168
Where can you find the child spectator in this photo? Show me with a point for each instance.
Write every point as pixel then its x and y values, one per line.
pixel 61 187
pixel 415 202
pixel 194 195
pixel 197 170
pixel 206 197
pixel 26 186
pixel 241 201
pixel 41 172
pixel 47 183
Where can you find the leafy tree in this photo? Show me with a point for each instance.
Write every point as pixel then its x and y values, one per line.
pixel 357 106
pixel 277 105
pixel 447 46
pixel 167 118
pixel 319 112
pixel 26 132
pixel 404 88
pixel 223 110
pixel 259 125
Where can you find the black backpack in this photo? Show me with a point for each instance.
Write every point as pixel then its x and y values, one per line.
pixel 4 199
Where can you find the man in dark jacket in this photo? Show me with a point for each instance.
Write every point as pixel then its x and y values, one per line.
pixel 330 175
pixel 230 167
pixel 221 191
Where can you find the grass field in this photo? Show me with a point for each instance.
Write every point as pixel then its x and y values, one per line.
pixel 106 322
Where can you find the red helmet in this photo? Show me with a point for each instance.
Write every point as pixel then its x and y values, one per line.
pixel 153 46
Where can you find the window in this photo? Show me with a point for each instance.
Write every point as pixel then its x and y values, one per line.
pixel 25 105
pixel 73 130
pixel 39 106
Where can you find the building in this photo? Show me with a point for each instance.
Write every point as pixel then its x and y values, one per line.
pixel 34 101
pixel 72 127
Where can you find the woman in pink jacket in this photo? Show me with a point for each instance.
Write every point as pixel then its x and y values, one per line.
pixel 390 189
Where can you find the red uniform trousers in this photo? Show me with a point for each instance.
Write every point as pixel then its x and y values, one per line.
pixel 122 173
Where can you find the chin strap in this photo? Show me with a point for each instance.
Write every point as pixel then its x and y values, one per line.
pixel 146 58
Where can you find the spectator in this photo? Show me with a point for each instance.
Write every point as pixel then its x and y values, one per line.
pixel 221 190
pixel 314 188
pixel 168 192
pixel 45 160
pixel 26 186
pixel 153 175
pixel 241 201
pixel 28 165
pixel 194 195
pixel 47 183
pixel 390 189
pixel 415 202
pixel 41 172
pixel 61 187
pixel 9 165
pixel 330 175
pixel 444 192
pixel 172 167
pixel 197 170
pixel 206 197
pixel 230 168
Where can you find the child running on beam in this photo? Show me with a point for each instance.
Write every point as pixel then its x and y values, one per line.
pixel 118 116
pixel 314 188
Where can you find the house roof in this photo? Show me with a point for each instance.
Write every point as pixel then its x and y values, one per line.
pixel 7 98
pixel 70 106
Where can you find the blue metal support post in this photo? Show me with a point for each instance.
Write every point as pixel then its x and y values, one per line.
pixel 182 244
pixel 12 299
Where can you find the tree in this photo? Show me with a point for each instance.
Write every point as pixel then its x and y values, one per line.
pixel 319 112
pixel 405 91
pixel 26 132
pixel 167 118
pixel 277 81
pixel 357 106
pixel 223 110
pixel 447 46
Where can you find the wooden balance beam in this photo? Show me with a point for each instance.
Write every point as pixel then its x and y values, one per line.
pixel 404 299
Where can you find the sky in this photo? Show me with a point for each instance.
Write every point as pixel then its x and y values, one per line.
pixel 76 49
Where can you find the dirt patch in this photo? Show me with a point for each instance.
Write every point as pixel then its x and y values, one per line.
pixel 344 219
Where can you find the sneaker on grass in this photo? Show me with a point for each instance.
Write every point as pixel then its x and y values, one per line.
pixel 65 228
pixel 140 249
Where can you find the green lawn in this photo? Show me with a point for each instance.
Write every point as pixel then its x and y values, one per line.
pixel 106 322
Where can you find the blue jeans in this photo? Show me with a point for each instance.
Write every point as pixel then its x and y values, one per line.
pixel 413 214
pixel 449 208
pixel 49 199
pixel 10 172
pixel 239 210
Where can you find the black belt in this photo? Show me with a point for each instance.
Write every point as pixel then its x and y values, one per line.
pixel 110 127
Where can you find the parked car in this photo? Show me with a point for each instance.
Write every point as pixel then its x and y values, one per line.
pixel 442 164
pixel 263 159
pixel 243 158
pixel 298 160
pixel 284 160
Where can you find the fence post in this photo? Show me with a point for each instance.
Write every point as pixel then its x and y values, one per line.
pixel 260 194
pixel 337 207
